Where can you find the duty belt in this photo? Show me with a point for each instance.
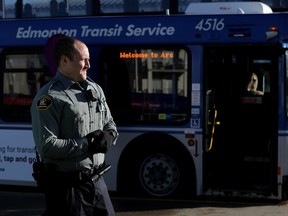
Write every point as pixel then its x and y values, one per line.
pixel 87 175
pixel 93 174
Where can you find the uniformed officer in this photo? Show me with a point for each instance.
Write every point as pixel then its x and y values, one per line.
pixel 73 129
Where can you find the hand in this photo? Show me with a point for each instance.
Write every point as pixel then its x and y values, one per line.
pixel 100 141
pixel 93 136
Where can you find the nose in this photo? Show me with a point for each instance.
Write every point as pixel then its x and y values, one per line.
pixel 87 63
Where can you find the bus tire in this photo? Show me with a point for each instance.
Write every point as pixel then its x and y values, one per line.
pixel 157 170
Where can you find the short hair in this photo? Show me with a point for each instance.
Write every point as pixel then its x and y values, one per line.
pixel 65 46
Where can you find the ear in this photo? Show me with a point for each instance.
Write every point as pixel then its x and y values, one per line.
pixel 64 59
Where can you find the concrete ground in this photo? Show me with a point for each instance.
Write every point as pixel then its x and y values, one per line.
pixel 32 204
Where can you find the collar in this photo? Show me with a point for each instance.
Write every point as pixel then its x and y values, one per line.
pixel 65 81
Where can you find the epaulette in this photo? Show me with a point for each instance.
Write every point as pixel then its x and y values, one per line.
pixel 52 82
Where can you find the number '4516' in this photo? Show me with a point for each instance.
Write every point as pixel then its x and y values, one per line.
pixel 210 24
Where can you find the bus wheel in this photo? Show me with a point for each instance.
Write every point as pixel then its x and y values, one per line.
pixel 159 175
pixel 156 166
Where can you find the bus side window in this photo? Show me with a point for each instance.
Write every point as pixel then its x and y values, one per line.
pixel 22 77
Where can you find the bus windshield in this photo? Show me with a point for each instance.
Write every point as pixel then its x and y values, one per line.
pixel 152 83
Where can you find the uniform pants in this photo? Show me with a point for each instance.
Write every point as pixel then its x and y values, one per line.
pixel 83 198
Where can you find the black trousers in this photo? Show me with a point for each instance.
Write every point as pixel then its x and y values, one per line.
pixel 67 197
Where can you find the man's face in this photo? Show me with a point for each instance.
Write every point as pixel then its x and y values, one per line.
pixel 77 68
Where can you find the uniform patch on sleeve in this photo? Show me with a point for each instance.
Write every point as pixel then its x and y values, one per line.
pixel 44 102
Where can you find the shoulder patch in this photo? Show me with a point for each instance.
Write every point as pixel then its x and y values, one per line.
pixel 44 102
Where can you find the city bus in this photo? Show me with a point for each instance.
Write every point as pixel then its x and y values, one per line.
pixel 179 89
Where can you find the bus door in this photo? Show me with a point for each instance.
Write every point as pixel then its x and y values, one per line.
pixel 240 145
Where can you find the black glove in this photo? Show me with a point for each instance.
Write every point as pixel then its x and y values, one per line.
pixel 100 141
pixel 94 136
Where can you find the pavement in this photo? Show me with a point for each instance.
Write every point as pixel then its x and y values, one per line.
pixel 32 204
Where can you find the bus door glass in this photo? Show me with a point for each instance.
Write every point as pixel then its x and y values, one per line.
pixel 241 118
